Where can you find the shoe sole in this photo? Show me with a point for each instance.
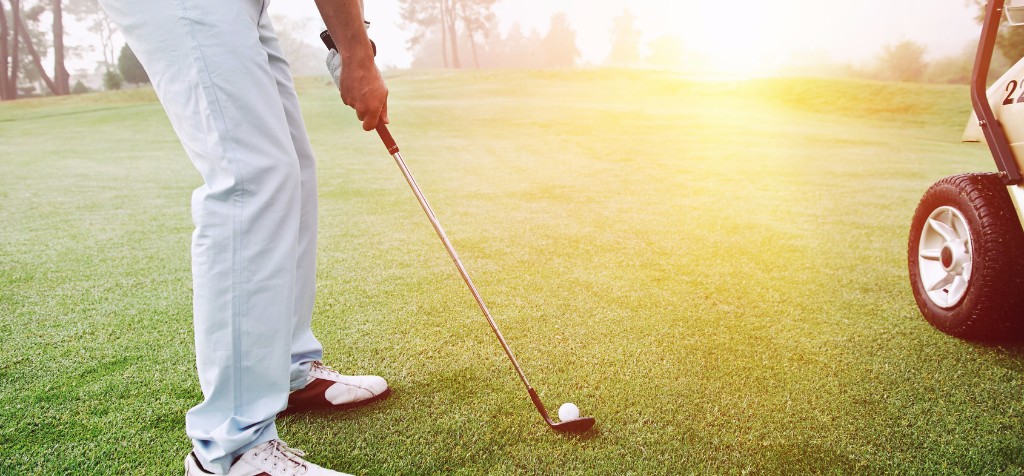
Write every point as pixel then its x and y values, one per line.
pixel 345 406
pixel 192 467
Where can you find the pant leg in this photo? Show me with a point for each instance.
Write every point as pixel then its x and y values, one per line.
pixel 305 347
pixel 217 86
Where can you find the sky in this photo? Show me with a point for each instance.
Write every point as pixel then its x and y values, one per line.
pixel 740 34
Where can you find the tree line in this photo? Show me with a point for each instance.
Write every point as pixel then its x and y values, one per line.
pixel 19 55
pixel 446 32
pixel 906 61
pixel 32 37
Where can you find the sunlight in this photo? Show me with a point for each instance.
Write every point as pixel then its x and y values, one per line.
pixel 734 39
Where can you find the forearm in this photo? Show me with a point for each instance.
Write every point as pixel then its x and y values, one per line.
pixel 344 19
pixel 359 81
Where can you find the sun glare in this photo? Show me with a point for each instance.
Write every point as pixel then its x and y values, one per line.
pixel 733 39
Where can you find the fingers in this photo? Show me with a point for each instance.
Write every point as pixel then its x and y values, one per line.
pixel 370 120
pixel 367 116
pixel 370 123
pixel 374 110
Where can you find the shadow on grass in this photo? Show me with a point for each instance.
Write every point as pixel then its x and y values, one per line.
pixel 1011 350
pixel 334 410
pixel 588 435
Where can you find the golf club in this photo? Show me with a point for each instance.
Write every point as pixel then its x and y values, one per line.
pixel 575 425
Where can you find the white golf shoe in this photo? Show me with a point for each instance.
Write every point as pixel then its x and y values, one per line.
pixel 328 389
pixel 273 458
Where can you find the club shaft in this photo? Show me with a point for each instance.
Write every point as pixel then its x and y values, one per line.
pixel 458 264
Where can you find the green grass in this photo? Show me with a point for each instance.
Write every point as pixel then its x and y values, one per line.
pixel 716 271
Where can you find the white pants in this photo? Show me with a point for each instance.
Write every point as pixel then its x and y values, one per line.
pixel 220 75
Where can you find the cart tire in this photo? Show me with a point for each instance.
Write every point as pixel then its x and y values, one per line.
pixel 966 259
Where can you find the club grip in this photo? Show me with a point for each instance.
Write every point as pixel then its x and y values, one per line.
pixel 325 36
pixel 385 136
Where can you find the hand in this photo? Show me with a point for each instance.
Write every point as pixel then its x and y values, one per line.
pixel 367 95
pixel 362 88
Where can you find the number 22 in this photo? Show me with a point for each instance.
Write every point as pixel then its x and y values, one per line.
pixel 1011 88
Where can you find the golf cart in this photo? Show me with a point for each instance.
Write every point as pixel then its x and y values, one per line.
pixel 966 247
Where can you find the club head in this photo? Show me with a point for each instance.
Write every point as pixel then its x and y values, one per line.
pixel 576 425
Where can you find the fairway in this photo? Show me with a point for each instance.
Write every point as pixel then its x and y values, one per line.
pixel 715 270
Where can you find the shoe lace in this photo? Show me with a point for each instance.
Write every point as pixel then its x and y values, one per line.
pixel 280 452
pixel 320 366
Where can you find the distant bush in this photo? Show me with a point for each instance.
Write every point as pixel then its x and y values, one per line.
pixel 79 88
pixel 903 61
pixel 112 81
pixel 130 67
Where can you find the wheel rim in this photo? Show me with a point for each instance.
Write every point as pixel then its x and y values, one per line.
pixel 945 257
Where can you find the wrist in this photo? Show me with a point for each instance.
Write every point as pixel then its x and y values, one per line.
pixel 358 58
pixel 355 46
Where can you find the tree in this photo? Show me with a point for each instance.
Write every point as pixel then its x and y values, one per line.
pixel 130 67
pixel 423 18
pixel 37 72
pixel 449 30
pixel 477 19
pixel 665 52
pixel 99 24
pixel 514 45
pixel 4 55
pixel 12 77
pixel 559 45
pixel 24 44
pixel 112 81
pixel 903 61
pixel 1010 41
pixel 61 78
pixel 954 69
pixel 79 88
pixel 428 53
pixel 513 50
pixel 304 58
pixel 625 40
pixel 24 40
pixel 426 17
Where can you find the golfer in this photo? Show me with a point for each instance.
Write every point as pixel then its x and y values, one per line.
pixel 219 72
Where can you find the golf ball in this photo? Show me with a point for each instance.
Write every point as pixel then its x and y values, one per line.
pixel 568 411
